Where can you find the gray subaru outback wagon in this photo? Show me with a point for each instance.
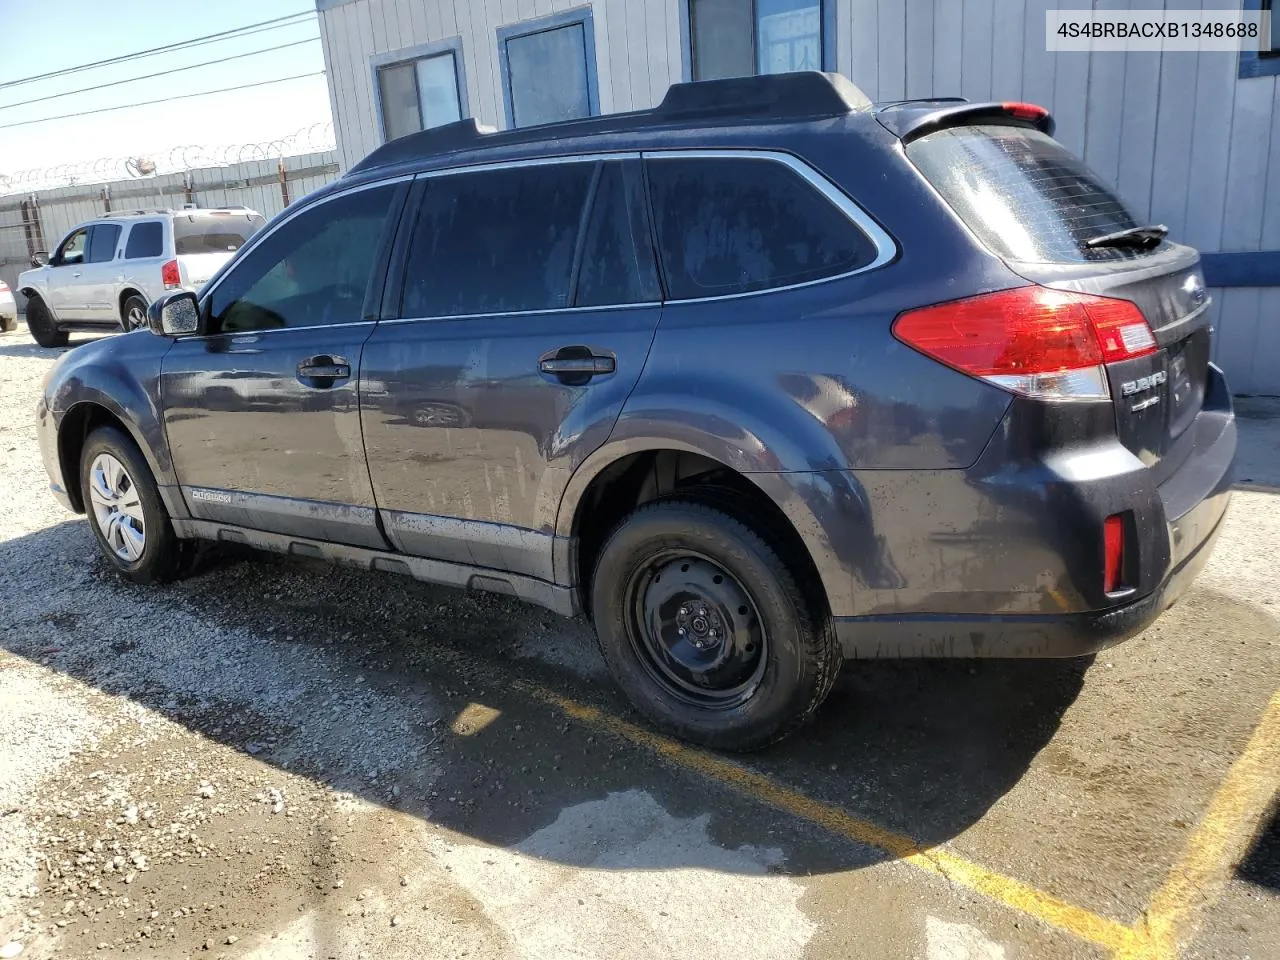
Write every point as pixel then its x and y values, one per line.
pixel 762 379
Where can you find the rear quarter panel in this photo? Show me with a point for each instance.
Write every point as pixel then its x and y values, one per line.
pixel 807 392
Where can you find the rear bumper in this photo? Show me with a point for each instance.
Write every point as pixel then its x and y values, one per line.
pixel 1023 579
pixel 1029 636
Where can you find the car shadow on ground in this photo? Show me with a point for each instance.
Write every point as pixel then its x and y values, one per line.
pixel 920 748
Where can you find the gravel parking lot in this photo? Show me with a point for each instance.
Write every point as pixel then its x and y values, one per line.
pixel 285 760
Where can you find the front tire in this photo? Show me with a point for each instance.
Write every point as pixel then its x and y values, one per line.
pixel 42 326
pixel 133 315
pixel 126 513
pixel 703 626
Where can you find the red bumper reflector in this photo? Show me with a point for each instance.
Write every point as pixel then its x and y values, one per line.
pixel 1113 553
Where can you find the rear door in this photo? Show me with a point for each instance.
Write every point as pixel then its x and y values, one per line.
pixel 98 279
pixel 203 240
pixel 1035 204
pixel 529 302
pixel 261 411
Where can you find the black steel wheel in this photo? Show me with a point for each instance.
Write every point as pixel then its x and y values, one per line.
pixel 703 626
pixel 696 629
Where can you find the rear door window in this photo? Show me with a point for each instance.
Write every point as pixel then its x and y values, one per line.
pixel 730 226
pixel 146 239
pixel 617 252
pixel 213 232
pixel 103 238
pixel 496 241
pixel 1025 195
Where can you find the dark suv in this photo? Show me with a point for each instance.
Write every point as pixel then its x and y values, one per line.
pixel 761 379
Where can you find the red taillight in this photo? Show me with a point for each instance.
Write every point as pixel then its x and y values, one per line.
pixel 1032 340
pixel 170 275
pixel 1025 111
pixel 1112 553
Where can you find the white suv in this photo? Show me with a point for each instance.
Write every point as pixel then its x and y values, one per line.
pixel 106 272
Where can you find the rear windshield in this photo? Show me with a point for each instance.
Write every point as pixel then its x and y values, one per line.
pixel 213 232
pixel 1024 194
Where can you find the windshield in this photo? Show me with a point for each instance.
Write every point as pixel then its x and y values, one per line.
pixel 1025 195
pixel 213 232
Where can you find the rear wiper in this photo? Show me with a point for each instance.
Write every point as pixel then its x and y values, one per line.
pixel 1144 238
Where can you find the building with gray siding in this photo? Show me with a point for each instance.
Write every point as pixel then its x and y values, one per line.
pixel 1191 140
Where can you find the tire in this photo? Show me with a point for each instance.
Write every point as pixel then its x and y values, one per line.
pixel 8 324
pixel 43 329
pixel 768 655
pixel 157 555
pixel 134 307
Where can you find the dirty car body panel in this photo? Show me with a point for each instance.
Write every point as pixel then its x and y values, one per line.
pixel 943 512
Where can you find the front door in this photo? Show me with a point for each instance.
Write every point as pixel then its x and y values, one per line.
pixel 261 410
pixel 530 300
pixel 66 271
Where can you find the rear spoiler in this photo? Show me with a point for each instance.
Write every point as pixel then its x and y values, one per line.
pixel 910 119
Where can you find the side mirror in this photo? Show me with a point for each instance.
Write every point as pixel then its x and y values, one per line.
pixel 174 315
pixel 40 258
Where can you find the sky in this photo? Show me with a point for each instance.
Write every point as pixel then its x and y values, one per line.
pixel 37 39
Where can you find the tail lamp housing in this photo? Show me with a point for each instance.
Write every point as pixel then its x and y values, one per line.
pixel 170 275
pixel 1035 341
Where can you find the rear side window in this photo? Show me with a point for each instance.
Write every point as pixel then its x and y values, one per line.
pixel 145 240
pixel 102 242
pixel 496 241
pixel 213 232
pixel 617 253
pixel 728 226
pixel 1024 194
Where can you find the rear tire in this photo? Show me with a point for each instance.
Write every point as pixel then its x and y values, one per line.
pixel 133 315
pixel 41 324
pixel 705 629
pixel 127 516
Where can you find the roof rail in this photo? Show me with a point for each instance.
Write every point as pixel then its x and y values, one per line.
pixel 779 96
pixel 775 97
pixel 133 213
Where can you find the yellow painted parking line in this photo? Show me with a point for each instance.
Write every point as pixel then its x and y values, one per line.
pixel 1196 882
pixel 1109 934
pixel 1215 847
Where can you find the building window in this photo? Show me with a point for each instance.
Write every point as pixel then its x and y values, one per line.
pixel 419 92
pixel 736 38
pixel 549 69
pixel 1263 63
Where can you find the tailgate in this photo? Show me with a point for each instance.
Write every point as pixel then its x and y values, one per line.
pixel 197 268
pixel 1040 208
pixel 1156 397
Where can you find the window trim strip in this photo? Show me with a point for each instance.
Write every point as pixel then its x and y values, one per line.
pixel 886 247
